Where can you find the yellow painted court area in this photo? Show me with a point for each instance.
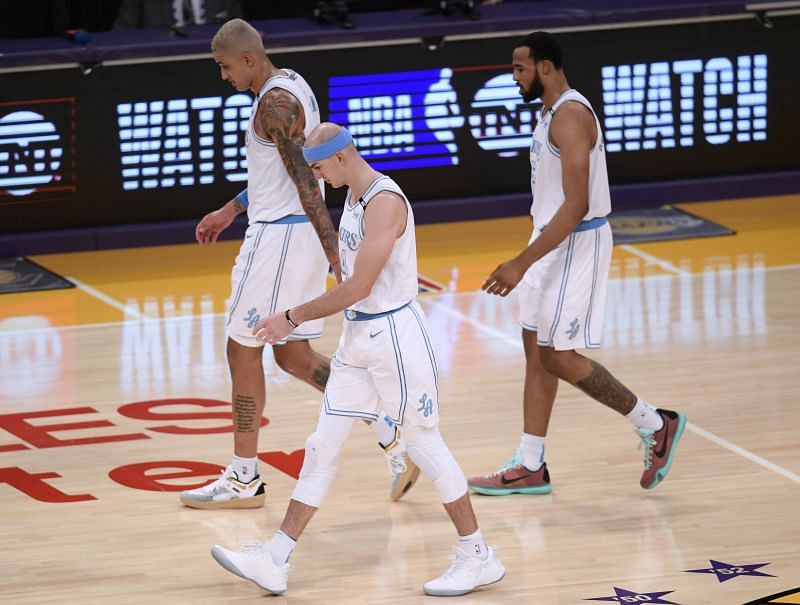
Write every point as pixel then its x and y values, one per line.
pixel 458 256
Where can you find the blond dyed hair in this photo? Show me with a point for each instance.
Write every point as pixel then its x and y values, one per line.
pixel 237 35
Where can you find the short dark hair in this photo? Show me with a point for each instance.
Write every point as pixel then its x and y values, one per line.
pixel 543 46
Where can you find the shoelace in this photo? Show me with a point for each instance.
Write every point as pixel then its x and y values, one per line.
pixel 515 460
pixel 256 547
pixel 458 561
pixel 646 437
pixel 223 475
pixel 397 464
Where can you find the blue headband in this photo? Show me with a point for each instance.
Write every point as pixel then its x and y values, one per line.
pixel 328 148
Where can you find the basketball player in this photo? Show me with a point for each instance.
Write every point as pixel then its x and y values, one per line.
pixel 562 277
pixel 384 360
pixel 280 263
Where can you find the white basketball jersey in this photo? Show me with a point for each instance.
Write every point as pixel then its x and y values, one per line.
pixel 397 282
pixel 271 192
pixel 546 183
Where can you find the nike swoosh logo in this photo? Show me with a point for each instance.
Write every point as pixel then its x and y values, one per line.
pixel 371 335
pixel 505 481
pixel 663 449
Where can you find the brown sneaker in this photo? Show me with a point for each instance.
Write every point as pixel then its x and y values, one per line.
pixel 512 478
pixel 660 447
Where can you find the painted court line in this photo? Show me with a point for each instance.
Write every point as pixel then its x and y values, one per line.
pixel 743 452
pixel 652 259
pixel 106 298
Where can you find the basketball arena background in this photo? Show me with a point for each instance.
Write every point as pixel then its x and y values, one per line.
pixel 116 136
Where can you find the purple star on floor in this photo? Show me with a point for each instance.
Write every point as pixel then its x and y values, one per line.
pixel 650 597
pixel 726 571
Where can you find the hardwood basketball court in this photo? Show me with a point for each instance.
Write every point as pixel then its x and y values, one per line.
pixel 110 391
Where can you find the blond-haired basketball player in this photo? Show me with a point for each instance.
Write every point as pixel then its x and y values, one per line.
pixel 385 360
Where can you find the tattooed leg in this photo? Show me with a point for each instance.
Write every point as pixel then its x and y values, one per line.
pixel 606 389
pixel 301 361
pixel 247 375
pixel 590 377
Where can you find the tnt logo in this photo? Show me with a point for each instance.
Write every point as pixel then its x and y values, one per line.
pixel 501 121
pixel 37 147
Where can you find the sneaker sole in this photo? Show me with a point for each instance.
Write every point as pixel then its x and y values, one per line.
pixel 497 491
pixel 662 473
pixel 401 489
pixel 220 558
pixel 456 593
pixel 251 502
pixel 225 562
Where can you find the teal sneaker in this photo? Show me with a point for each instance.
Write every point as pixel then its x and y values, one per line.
pixel 659 447
pixel 512 478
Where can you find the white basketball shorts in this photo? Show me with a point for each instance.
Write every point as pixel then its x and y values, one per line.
pixel 385 362
pixel 279 266
pixel 562 297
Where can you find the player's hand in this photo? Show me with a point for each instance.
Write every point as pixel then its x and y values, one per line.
pixel 505 277
pixel 272 329
pixel 213 223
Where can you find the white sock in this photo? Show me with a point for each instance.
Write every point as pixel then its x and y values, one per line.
pixel 474 545
pixel 385 429
pixel 532 448
pixel 281 547
pixel 644 416
pixel 245 468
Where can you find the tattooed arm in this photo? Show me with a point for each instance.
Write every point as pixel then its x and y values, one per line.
pixel 281 117
pixel 214 223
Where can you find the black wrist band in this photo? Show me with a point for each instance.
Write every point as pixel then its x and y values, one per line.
pixel 289 319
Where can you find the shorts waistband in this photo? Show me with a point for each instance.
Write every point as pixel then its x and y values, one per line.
pixel 592 223
pixel 286 220
pixel 351 315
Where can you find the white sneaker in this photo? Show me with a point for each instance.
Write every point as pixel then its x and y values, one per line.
pixel 226 492
pixel 254 562
pixel 403 469
pixel 466 573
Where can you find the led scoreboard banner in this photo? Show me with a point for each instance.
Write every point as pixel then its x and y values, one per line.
pixel 161 141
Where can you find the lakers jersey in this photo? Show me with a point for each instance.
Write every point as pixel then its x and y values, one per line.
pixel 397 282
pixel 272 193
pixel 546 183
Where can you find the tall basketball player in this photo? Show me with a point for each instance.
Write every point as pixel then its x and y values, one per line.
pixel 280 264
pixel 562 276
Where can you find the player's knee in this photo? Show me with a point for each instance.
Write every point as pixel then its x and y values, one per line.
pixel 286 360
pixel 319 468
pixel 242 358
pixel 551 360
pixel 321 454
pixel 294 357
pixel 429 451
